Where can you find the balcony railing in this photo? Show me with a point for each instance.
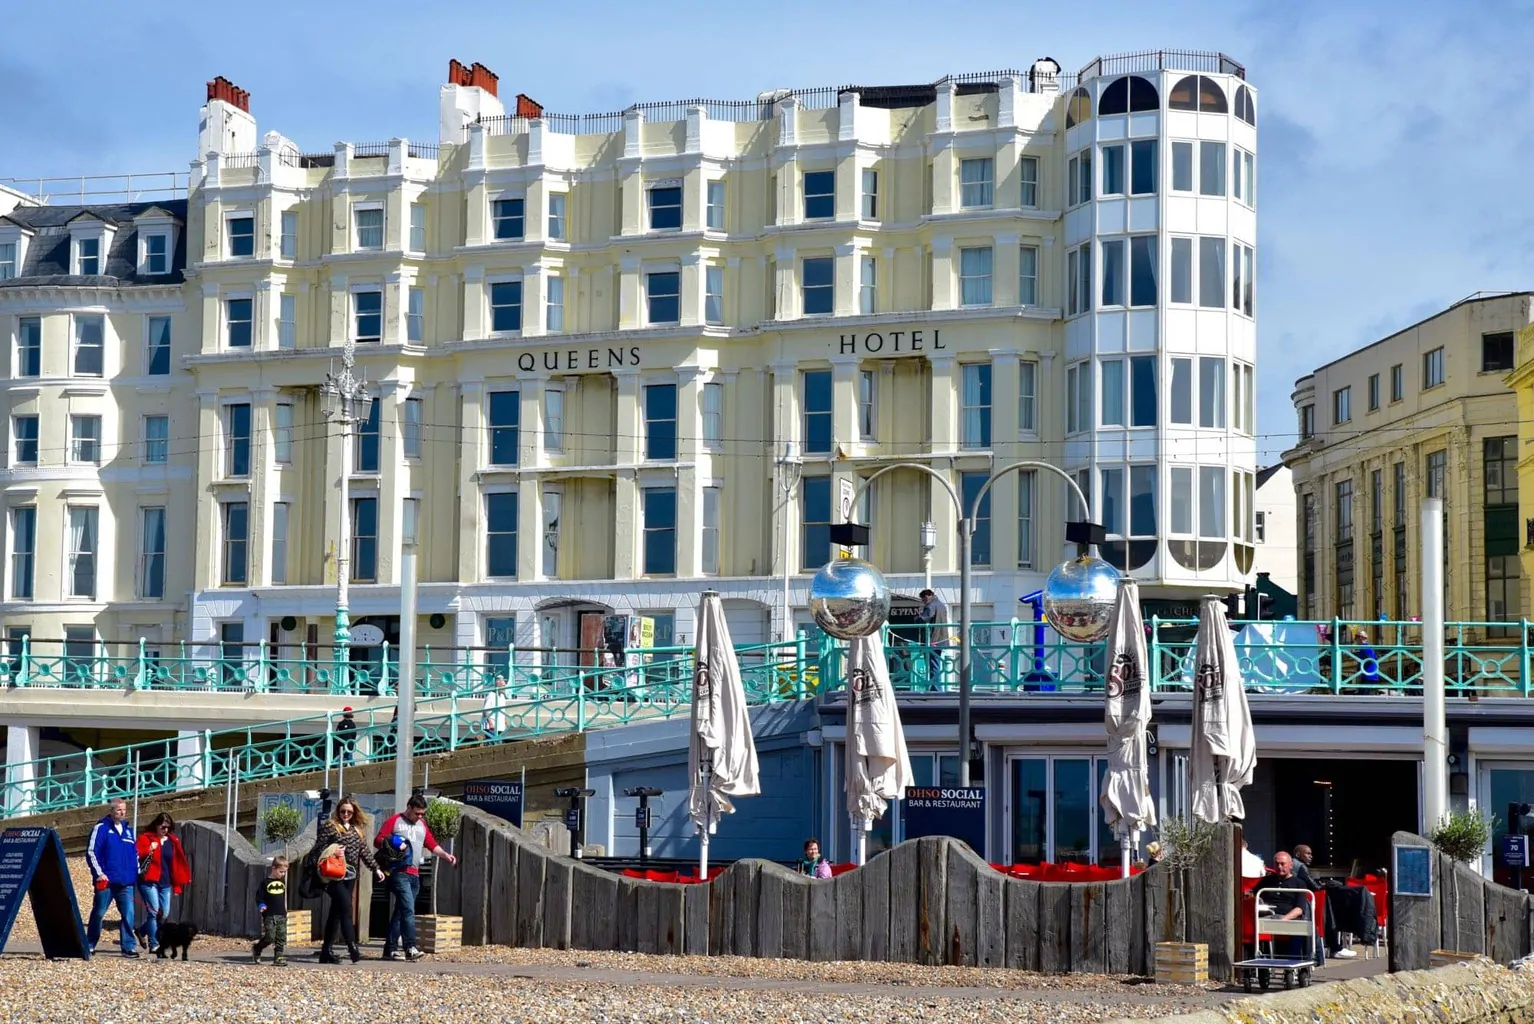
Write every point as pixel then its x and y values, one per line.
pixel 1146 61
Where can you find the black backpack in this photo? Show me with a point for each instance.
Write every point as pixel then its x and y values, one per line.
pixel 310 885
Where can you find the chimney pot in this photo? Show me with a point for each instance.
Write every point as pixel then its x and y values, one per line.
pixel 528 107
pixel 226 91
pixel 472 76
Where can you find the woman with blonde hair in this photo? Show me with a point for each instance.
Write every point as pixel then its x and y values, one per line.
pixel 347 827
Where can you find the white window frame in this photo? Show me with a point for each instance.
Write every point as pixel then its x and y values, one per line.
pixel 229 218
pixel 484 538
pixel 358 209
pixel 553 512
pixel 412 427
pixel 75 346
pixel 282 433
pixel 144 432
pixel 282 520
pixel 1027 397
pixel 14 455
pixel 1027 284
pixel 713 295
pixel 287 320
pixel 805 183
pixel 415 315
pixel 1027 513
pixel 554 418
pixel 356 293
pixel 1028 182
pixel 650 189
pixel 78 257
pixel 10 264
pixel 287 240
pixel 521 306
pixel 559 216
pixel 709 514
pixel 417 227
pixel 13 555
pixel 144 255
pixel 868 405
pixel 226 428
pixel 554 304
pixel 988 278
pixel 981 190
pixel 224 316
pixel 70 554
pixel 144 554
pixel 507 197
pixel 804 287
pixel 649 272
pixel 868 195
pixel 716 211
pixel 149 346
pixel 18 360
pixel 868 284
pixel 711 399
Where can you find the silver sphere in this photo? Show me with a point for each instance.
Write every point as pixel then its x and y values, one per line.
pixel 1079 597
pixel 849 598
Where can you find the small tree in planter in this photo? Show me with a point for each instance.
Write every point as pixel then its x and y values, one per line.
pixel 1185 842
pixel 436 932
pixel 1463 835
pixel 281 824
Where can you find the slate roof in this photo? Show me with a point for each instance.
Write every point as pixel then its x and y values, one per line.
pixel 47 261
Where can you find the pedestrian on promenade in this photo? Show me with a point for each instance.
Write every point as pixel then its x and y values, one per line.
pixel 112 857
pixel 272 901
pixel 408 834
pixel 163 871
pixel 934 615
pixel 346 828
pixel 346 735
pixel 813 864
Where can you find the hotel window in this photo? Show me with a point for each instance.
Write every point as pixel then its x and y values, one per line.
pixel 711 531
pixel 1113 170
pixel 659 514
pixel 237 540
pixel 368 316
pixel 1142 383
pixel 88 256
pixel 976 405
pixel 1504 587
pixel 280 512
pixel 29 347
pixel 23 551
pixel 713 295
pixel 1211 392
pixel 1028 276
pixel 287 321
pixel 1342 405
pixel 819 285
pixel 1211 168
pixel 1374 392
pixel 665 207
pixel 975 276
pixel 868 404
pixel 370 227
pixel 156 254
pixel 819 195
pixel 8 261
pixel 504 412
pixel 557 201
pixel 1432 368
pixel 1111 403
pixel 553 419
pixel 1142 270
pixel 151 573
pixel 1078 398
pixel 1398 490
pixel 505 307
pixel 1241 176
pixel 1497 351
pixel 1078 276
pixel 1211 501
pixel 660 421
pixel 90 345
pixel 1344 510
pixel 1242 271
pixel 1211 273
pixel 1113 272
pixel 1028 182
pixel 85 440
pixel 1307 421
pixel 980 540
pixel 1182 167
pixel 415 414
pixel 237 440
pixel 868 285
pixel 712 397
pixel 1078 178
pixel 1025 539
pixel 1142 167
pixel 1376 500
pixel 417 227
pixel 501 534
pixel 663 297
pixel 157 356
pixel 82 550
pixel 817 412
pixel 282 432
pixel 242 236
pixel 1027 397
pixel 1397 382
pixel 364 567
pixel 553 516
pixel 24 431
pixel 287 244
pixel 239 323
pixel 1182 270
pixel 368 436
pixel 870 209
pixel 977 180
pixel 156 440
pixel 554 310
pixel 815 512
pixel 1261 518
pixel 715 199
pixel 506 219
pixel 1181 405
pixel 415 314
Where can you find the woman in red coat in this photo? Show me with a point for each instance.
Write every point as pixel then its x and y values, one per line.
pixel 163 871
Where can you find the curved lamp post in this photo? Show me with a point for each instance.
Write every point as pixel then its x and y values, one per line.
pixel 849 593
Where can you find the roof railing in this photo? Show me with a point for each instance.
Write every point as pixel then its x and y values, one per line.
pixel 100 189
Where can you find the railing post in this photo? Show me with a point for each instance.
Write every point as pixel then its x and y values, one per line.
pixel 90 777
pixel 1523 654
pixel 452 728
pixel 142 680
pixel 580 702
pixel 801 651
pixel 26 659
pixel 263 667
pixel 1012 672
pixel 1336 655
pixel 1155 653
pixel 207 758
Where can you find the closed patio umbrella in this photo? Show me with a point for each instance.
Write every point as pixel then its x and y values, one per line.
pixel 721 756
pixel 1224 751
pixel 1126 796
pixel 878 765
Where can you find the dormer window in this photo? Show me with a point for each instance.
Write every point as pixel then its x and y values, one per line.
pixel 156 241
pixel 9 264
pixel 156 254
pixel 88 257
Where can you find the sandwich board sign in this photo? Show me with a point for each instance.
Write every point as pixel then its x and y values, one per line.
pixel 32 866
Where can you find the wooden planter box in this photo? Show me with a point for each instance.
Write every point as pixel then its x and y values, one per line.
pixel 300 927
pixel 1445 957
pixel 1182 963
pixel 438 933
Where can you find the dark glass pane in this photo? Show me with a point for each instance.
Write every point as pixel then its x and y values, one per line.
pixel 819 194
pixel 1211 98
pixel 980 545
pixel 659 530
pixel 660 421
pixel 817 521
pixel 1073 810
pixel 1143 391
pixel 506 306
pixel 501 534
pixel 1142 95
pixel 665 208
pixel 1030 815
pixel 1115 98
pixel 1184 95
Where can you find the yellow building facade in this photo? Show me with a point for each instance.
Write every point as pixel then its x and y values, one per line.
pixel 1521 380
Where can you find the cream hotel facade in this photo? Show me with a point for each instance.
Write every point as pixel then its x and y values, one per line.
pixel 616 359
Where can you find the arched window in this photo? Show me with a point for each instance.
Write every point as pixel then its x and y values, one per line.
pixel 1126 95
pixel 1246 110
pixel 1198 92
pixel 1078 108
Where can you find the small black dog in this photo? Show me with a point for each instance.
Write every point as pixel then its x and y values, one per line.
pixel 175 935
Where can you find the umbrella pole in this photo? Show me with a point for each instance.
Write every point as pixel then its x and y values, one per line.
pixel 702 855
pixel 1127 842
pixel 860 843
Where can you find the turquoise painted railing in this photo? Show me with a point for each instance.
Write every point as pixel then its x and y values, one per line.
pixel 1341 658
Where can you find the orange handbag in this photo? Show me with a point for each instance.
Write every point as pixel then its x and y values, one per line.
pixel 332 863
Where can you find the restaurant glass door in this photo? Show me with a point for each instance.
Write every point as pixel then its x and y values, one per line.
pixel 1053 813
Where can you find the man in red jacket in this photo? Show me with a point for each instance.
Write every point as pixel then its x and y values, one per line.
pixel 405 872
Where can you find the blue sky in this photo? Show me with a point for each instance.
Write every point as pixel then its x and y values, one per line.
pixel 1395 138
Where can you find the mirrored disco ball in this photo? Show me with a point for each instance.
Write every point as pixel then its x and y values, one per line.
pixel 849 598
pixel 1079 597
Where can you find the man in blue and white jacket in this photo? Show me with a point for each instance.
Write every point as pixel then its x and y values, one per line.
pixel 113 858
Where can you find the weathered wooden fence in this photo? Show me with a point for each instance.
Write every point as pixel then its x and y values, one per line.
pixel 1465 914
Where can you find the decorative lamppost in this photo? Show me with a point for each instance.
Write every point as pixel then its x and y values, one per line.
pixel 849 596
pixel 346 389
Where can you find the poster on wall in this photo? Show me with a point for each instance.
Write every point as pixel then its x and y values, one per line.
pixel 378 806
pixel 946 811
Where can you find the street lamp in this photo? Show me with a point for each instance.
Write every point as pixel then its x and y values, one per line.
pixel 928 543
pixel 347 390
pixel 404 729
pixel 788 462
pixel 1078 595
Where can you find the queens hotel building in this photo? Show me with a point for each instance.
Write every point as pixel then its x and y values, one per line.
pixel 616 359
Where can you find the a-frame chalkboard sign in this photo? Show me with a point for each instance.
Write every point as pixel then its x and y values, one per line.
pixel 32 865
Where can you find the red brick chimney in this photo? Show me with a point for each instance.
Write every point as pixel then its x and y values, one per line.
pixel 223 89
pixel 528 107
pixel 475 75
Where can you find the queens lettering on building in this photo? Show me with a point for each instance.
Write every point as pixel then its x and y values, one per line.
pixel 574 360
pixel 890 343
